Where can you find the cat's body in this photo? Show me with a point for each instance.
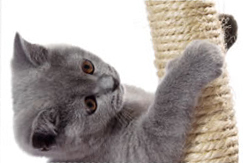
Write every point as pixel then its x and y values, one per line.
pixel 70 106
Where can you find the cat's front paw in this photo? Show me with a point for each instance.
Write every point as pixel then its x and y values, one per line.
pixel 204 60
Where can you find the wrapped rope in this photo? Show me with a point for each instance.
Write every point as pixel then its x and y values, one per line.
pixel 213 137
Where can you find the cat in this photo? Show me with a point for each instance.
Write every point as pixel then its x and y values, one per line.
pixel 69 105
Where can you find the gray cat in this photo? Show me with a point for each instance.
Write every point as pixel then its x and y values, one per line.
pixel 70 105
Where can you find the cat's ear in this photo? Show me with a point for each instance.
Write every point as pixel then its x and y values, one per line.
pixel 44 130
pixel 26 53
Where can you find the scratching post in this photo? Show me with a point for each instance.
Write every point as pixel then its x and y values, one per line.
pixel 213 138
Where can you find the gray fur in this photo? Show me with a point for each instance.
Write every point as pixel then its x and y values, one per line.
pixel 129 126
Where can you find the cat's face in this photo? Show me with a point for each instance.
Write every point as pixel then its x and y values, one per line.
pixel 60 93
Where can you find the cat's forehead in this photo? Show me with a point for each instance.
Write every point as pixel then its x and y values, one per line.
pixel 70 52
pixel 64 49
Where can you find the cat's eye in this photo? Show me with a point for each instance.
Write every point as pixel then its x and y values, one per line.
pixel 88 67
pixel 91 104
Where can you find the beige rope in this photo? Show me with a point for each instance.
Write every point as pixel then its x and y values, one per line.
pixel 213 138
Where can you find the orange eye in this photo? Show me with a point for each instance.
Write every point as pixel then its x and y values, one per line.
pixel 88 67
pixel 91 104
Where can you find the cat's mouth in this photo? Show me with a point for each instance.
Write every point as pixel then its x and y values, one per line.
pixel 117 98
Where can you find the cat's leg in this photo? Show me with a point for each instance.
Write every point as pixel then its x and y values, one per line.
pixel 165 125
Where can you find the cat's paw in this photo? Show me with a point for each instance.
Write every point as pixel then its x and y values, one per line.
pixel 204 60
pixel 230 27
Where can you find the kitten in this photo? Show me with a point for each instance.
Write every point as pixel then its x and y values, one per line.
pixel 70 105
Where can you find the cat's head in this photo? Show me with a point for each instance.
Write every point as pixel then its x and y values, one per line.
pixel 61 94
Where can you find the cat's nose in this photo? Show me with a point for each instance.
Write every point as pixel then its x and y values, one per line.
pixel 107 83
pixel 116 84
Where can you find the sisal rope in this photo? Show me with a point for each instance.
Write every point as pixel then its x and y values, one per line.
pixel 213 138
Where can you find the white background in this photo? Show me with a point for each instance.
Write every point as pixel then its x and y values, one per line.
pixel 117 31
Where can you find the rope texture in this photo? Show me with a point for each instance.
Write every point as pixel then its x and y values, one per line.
pixel 213 138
